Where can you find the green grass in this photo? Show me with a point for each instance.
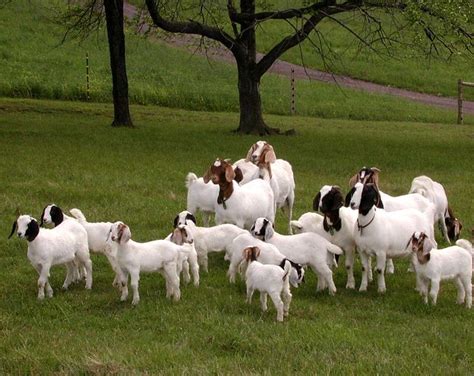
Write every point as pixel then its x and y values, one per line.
pixel 33 65
pixel 64 152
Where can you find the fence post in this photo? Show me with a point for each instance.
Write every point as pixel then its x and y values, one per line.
pixel 460 114
pixel 87 77
pixel 293 105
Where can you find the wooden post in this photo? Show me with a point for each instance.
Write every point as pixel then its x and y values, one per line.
pixel 460 115
pixel 87 77
pixel 293 106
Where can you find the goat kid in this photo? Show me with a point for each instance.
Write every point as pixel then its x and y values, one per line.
pixel 269 280
pixel 434 265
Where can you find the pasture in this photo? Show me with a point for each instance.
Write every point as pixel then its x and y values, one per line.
pixel 64 152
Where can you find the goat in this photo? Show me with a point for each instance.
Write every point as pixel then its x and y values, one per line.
pixel 239 205
pixel 49 247
pixel 208 239
pixel 269 280
pixel 434 265
pixel 158 255
pixel 278 173
pixel 269 254
pixel 381 233
pixel 305 249
pixel 449 225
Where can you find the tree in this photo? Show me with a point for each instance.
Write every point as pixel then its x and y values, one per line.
pixel 436 19
pixel 84 17
pixel 116 37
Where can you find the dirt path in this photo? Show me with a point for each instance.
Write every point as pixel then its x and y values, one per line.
pixel 284 68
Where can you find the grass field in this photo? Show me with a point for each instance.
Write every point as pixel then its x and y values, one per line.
pixel 64 152
pixel 33 65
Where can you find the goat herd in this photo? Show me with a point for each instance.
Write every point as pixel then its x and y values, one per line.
pixel 244 197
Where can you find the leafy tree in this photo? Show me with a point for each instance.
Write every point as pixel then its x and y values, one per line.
pixel 444 25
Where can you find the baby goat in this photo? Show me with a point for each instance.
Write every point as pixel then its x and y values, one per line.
pixel 434 265
pixel 269 280
pixel 158 255
pixel 49 247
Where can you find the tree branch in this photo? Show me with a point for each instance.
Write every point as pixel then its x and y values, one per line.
pixel 192 27
pixel 266 62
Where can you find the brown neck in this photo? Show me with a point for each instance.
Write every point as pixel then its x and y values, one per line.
pixel 265 166
pixel 225 191
pixel 422 259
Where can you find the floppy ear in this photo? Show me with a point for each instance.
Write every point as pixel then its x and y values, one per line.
pixel 124 234
pixel 375 176
pixel 175 222
pixel 349 197
pixel 246 253
pixel 56 215
pixel 207 176
pixel 316 202
pixel 337 201
pixel 256 251
pixel 270 156
pixel 32 230
pixel 353 180
pixel 177 237
pixel 268 230
pixel 13 229
pixel 427 246
pixel 42 215
pixel 250 152
pixel 229 173
pixel 190 217
pixel 410 240
pixel 238 175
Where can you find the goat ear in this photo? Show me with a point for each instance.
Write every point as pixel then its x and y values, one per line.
pixel 349 195
pixel 124 234
pixel 257 252
pixel 14 227
pixel 229 173
pixel 42 216
pixel 207 176
pixel 268 231
pixel 175 222
pixel 238 175
pixel 270 156
pixel 427 246
pixel 375 176
pixel 191 217
pixel 410 240
pixel 177 237
pixel 353 180
pixel 316 202
pixel 250 152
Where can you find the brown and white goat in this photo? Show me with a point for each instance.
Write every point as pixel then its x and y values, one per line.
pixel 434 265
pixel 278 173
pixel 239 205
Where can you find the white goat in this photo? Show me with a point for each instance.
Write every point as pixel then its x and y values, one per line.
pixel 269 280
pixel 208 239
pixel 201 197
pixel 384 234
pixel 305 249
pixel 49 247
pixel 158 255
pixel 308 222
pixel 434 265
pixel 239 205
pixel 449 225
pixel 269 254
pixel 278 173
pixel 97 233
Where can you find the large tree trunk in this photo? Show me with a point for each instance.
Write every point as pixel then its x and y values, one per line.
pixel 251 119
pixel 114 18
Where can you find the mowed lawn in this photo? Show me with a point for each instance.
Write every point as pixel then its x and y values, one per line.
pixel 65 152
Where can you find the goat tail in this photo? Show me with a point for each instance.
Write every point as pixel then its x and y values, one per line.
pixel 190 179
pixel 287 269
pixel 76 213
pixel 334 249
pixel 466 244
